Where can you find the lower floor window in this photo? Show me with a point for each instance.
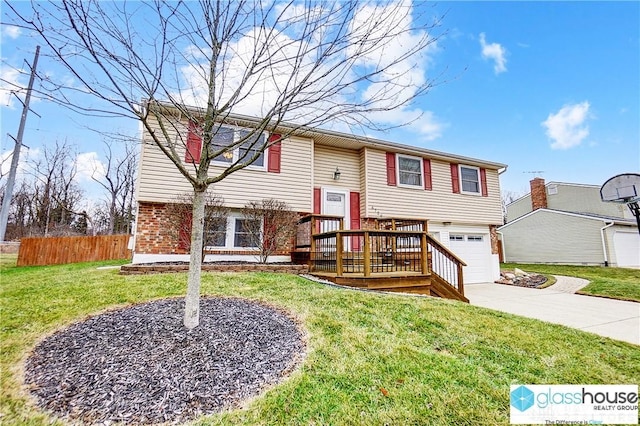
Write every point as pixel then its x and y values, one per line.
pixel 237 232
pixel 246 232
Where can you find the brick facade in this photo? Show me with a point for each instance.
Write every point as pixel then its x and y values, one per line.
pixel 495 242
pixel 152 233
pixel 538 194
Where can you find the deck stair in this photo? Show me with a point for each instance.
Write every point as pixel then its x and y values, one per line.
pixel 395 255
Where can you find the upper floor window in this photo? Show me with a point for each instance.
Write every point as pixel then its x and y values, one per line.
pixel 470 178
pixel 227 136
pixel 409 171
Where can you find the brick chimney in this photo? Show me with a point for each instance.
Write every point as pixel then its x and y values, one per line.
pixel 538 194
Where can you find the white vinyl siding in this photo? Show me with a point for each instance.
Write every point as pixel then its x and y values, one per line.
pixel 584 199
pixel 551 237
pixel 519 208
pixel 570 198
pixel 327 158
pixel 160 181
pixel 438 205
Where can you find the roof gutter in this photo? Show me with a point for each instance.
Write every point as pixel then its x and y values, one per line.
pixel 311 132
pixel 604 245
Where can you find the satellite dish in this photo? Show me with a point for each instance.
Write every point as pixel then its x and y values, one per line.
pixel 624 188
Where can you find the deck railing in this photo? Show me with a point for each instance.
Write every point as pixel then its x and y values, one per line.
pixel 369 252
pixel 395 245
pixel 445 264
pixel 314 224
pixel 398 224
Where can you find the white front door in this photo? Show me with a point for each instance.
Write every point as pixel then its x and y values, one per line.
pixel 335 203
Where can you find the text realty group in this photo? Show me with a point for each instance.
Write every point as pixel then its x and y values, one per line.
pixel 613 400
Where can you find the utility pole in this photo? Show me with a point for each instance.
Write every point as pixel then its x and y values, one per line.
pixel 8 192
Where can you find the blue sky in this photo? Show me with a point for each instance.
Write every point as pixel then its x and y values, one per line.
pixel 547 87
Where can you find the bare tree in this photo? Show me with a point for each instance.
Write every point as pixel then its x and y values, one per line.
pixel 56 194
pixel 177 221
pixel 508 197
pixel 47 200
pixel 117 177
pixel 308 62
pixel 270 225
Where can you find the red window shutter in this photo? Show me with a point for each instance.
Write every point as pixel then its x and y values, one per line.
pixel 184 234
pixel 274 155
pixel 455 180
pixel 354 212
pixel 391 169
pixel 194 145
pixel 483 182
pixel 316 201
pixel 427 174
pixel 317 206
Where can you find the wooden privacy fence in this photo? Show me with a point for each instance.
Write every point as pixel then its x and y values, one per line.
pixel 59 250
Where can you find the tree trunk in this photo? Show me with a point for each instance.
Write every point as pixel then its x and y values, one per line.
pixel 192 301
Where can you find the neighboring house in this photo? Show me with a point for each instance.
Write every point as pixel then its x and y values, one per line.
pixel 459 197
pixel 567 223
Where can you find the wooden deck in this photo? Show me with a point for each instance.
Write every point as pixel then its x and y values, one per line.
pixel 398 255
pixel 405 282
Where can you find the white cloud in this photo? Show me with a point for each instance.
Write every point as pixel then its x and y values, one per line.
pixel 430 126
pixel 495 52
pixel 88 165
pixel 399 81
pixel 567 128
pixel 11 31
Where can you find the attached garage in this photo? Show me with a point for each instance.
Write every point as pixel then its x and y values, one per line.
pixel 472 244
pixel 475 250
pixel 627 249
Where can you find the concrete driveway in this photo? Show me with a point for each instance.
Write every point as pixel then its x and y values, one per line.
pixel 557 304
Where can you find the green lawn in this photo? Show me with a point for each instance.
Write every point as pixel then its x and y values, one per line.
pixel 372 359
pixel 617 283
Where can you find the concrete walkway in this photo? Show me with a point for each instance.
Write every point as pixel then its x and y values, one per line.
pixel 558 304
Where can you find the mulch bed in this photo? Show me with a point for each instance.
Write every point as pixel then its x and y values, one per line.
pixel 140 365
pixel 528 280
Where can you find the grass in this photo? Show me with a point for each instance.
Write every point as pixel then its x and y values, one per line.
pixel 372 359
pixel 616 283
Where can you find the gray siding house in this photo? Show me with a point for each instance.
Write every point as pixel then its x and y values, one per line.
pixel 567 223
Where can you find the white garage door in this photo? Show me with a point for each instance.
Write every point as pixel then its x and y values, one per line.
pixel 475 250
pixel 627 248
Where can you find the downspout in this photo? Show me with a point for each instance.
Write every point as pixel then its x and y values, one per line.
pixel 604 245
pixel 504 251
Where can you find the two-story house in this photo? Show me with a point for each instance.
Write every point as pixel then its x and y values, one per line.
pixel 357 178
pixel 568 223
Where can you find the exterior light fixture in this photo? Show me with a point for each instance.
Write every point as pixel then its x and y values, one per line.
pixel 228 155
pixel 336 174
